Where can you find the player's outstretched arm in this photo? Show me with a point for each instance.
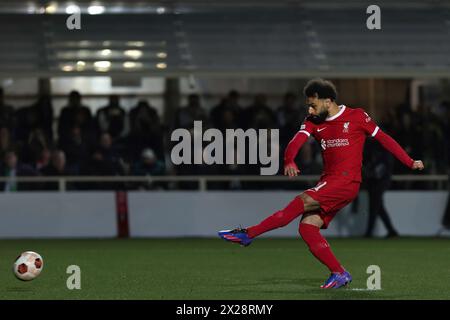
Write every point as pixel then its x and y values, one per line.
pixel 290 168
pixel 393 147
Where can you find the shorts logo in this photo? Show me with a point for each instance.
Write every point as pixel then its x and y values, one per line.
pixel 319 186
pixel 346 125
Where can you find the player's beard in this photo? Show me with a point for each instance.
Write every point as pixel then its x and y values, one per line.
pixel 318 118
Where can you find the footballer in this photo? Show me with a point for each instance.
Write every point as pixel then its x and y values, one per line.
pixel 341 132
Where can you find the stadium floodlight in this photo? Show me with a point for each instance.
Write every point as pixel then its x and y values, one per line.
pixel 102 66
pixel 81 65
pixel 67 68
pixel 72 8
pixel 135 54
pixel 96 9
pixel 132 65
pixel 105 52
pixel 136 43
pixel 51 8
pixel 31 8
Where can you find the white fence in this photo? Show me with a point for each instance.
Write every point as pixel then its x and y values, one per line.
pixel 56 214
pixel 197 214
pixel 202 181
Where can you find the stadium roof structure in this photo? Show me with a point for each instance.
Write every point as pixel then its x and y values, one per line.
pixel 225 38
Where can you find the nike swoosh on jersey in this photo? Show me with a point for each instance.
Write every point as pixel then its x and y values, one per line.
pixel 318 130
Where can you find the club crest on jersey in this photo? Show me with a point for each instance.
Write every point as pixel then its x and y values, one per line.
pixel 346 125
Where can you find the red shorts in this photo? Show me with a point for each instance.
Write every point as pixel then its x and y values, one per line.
pixel 333 194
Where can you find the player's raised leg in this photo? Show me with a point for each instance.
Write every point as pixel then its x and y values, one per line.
pixel 309 229
pixel 299 205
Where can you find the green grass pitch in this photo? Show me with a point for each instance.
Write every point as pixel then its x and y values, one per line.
pixel 182 269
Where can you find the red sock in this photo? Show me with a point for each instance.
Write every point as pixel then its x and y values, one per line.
pixel 319 247
pixel 278 219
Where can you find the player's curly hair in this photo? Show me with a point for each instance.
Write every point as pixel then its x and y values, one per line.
pixel 323 88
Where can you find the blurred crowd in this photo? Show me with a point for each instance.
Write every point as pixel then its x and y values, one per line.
pixel 114 142
pixel 424 133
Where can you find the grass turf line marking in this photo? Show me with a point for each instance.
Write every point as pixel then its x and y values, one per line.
pixel 363 289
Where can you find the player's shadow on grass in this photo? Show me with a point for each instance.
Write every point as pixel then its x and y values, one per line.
pixel 309 288
pixel 303 282
pixel 282 285
pixel 18 289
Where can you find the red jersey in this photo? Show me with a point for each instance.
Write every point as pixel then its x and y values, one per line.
pixel 342 138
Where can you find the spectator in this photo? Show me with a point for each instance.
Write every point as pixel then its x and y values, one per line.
pixel 377 173
pixel 234 169
pixel 7 115
pixel 43 160
pixel 75 115
pixel 105 161
pixel 6 142
pixel 11 169
pixel 38 116
pixel 259 115
pixel 289 117
pixel 185 116
pixel 109 153
pixel 233 101
pixel 149 165
pixel 77 150
pixel 146 132
pixel 227 113
pixel 446 217
pixel 57 167
pixel 407 133
pixel 432 129
pixel 32 150
pixel 111 118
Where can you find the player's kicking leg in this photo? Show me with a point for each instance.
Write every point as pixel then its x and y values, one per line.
pixel 238 235
pixel 301 204
pixel 309 229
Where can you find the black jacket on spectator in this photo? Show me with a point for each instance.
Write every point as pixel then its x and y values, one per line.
pixel 7 117
pixel 226 115
pixel 7 114
pixel 111 119
pixel 259 115
pixel 79 116
pixel 77 149
pixel 185 116
pixel 146 132
pixel 38 116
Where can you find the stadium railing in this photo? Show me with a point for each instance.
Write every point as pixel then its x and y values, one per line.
pixel 203 180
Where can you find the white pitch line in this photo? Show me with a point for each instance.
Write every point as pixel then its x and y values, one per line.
pixel 363 289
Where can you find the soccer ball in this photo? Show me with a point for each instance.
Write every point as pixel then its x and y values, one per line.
pixel 28 266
